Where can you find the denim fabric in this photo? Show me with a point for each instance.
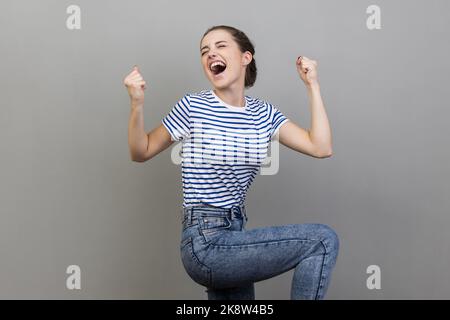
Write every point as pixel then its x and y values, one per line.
pixel 219 253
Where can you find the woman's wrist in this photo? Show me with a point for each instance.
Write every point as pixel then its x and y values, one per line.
pixel 313 86
pixel 136 105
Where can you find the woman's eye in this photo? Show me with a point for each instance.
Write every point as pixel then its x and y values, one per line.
pixel 217 46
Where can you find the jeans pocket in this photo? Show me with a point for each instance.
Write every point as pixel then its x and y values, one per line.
pixel 196 270
pixel 210 226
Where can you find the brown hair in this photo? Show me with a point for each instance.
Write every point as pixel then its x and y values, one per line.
pixel 244 44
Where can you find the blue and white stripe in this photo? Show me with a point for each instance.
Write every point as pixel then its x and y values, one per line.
pixel 223 146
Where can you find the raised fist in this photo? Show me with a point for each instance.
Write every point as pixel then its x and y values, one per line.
pixel 135 85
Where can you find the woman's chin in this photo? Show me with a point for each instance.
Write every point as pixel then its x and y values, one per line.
pixel 218 77
pixel 218 81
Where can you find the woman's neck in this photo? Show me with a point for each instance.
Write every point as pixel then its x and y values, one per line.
pixel 232 97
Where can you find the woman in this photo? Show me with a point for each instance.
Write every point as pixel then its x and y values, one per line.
pixel 225 136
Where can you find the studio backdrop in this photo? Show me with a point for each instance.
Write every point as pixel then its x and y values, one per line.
pixel 80 220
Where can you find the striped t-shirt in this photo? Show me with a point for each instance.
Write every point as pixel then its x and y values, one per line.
pixel 223 146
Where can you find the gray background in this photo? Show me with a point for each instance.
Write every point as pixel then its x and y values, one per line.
pixel 71 195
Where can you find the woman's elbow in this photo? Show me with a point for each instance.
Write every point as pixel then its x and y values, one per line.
pixel 324 153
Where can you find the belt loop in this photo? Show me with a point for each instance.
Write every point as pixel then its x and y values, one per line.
pixel 189 213
pixel 244 212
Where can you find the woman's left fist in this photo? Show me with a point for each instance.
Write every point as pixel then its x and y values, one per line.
pixel 307 69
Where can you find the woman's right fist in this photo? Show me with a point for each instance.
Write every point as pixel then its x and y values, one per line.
pixel 135 85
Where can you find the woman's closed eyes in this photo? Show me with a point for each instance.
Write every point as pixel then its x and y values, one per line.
pixel 220 46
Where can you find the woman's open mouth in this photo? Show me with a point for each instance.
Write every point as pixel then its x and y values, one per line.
pixel 217 68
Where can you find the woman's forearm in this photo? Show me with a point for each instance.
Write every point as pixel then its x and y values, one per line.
pixel 320 132
pixel 137 138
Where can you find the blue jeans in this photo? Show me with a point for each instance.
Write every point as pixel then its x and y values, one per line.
pixel 220 254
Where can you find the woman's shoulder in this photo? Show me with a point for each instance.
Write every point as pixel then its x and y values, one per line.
pixel 200 94
pixel 259 103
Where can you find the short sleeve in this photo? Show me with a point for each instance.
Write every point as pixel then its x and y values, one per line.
pixel 278 119
pixel 177 121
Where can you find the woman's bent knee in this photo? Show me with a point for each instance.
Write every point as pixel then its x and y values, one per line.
pixel 328 236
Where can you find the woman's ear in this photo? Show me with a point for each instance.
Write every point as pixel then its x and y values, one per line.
pixel 247 58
